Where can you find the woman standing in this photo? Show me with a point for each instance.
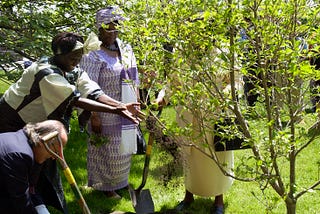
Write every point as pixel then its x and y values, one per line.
pixel 114 68
pixel 202 175
pixel 49 89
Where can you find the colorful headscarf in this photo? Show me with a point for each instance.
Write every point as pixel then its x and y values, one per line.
pixel 108 15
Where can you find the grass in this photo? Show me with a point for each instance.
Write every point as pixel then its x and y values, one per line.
pixel 165 182
pixel 3 84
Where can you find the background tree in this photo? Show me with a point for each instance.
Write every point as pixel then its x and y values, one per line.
pixel 27 28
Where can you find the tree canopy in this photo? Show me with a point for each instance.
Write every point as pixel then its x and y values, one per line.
pixel 271 38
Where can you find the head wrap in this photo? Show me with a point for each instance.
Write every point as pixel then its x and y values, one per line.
pixel 108 15
pixel 91 44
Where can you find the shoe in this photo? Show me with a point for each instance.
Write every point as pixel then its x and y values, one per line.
pixel 218 210
pixel 111 194
pixel 182 206
pixel 86 187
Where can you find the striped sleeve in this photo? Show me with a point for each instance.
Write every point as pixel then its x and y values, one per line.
pixel 55 90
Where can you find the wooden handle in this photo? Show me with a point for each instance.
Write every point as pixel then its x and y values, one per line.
pixel 49 136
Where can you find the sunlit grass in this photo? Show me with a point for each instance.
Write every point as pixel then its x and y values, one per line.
pixel 167 191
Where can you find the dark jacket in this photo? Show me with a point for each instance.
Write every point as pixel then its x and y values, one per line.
pixel 44 92
pixel 16 162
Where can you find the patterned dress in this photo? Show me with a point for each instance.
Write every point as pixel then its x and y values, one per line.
pixel 108 166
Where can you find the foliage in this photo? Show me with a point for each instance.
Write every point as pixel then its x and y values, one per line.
pixel 208 51
pixel 199 42
pixel 165 182
pixel 27 27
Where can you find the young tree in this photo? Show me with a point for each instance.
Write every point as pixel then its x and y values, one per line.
pixel 267 40
pixel 270 51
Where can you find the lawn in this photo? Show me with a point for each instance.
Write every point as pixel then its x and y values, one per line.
pixel 165 182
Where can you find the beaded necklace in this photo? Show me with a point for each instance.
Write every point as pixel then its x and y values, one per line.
pixel 112 47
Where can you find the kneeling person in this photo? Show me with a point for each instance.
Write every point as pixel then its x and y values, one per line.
pixel 20 151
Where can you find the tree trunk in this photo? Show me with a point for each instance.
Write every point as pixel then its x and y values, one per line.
pixel 291 206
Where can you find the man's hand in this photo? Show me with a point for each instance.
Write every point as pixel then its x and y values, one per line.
pixel 42 209
pixel 158 104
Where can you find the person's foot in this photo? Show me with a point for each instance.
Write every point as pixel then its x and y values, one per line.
pixel 183 205
pixel 218 209
pixel 86 187
pixel 111 194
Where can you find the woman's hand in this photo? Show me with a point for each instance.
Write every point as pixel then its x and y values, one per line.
pixel 95 123
pixel 132 110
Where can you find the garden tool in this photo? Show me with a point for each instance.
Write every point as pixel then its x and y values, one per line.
pixel 46 140
pixel 141 199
